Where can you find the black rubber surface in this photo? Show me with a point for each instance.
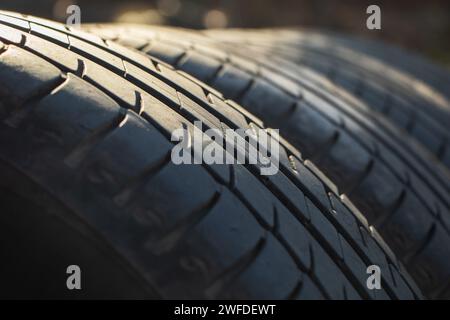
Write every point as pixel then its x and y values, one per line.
pixel 435 76
pixel 90 123
pixel 391 178
pixel 374 74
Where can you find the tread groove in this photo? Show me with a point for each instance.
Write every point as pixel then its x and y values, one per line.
pixel 225 279
pixel 81 151
pixel 17 114
pixel 295 292
pixel 384 219
pixel 175 236
pixel 351 187
pixel 241 94
pixel 325 148
pixel 409 257
pixel 129 190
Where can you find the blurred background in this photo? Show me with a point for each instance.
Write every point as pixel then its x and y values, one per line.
pixel 420 25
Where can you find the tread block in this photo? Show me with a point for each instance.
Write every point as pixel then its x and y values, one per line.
pixel 143 60
pixel 244 64
pixel 423 266
pixel 346 219
pixel 377 257
pixel 405 231
pixel 344 160
pixel 231 81
pixel 314 185
pixel 301 128
pixel 288 86
pixel 401 285
pixel 50 33
pixel 9 34
pixel 289 192
pixel 81 115
pixel 67 59
pixel 95 53
pixel 228 113
pixel 357 266
pixel 274 260
pixel 325 270
pixel 20 23
pixel 114 84
pixel 156 86
pixel 265 100
pixel 192 267
pixel 199 112
pixel 326 229
pixel 295 235
pixel 210 51
pixel 308 291
pixel 348 81
pixel 23 75
pixel 129 42
pixel 247 185
pixel 200 66
pixel 399 116
pixel 184 83
pixel 144 146
pixel 159 191
pixel 166 52
pixel 431 140
pixel 381 202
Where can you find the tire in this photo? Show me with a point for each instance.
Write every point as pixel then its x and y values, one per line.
pixel 409 63
pixel 390 178
pixel 415 106
pixel 89 122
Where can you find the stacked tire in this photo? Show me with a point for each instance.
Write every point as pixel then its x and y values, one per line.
pixel 86 119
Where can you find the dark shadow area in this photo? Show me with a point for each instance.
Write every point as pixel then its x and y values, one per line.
pixel 37 244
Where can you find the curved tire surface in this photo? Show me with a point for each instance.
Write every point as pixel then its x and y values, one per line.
pixel 89 122
pixel 392 179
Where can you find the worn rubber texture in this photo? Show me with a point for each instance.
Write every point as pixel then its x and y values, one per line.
pixel 412 104
pixel 388 176
pixel 90 122
pixel 435 76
